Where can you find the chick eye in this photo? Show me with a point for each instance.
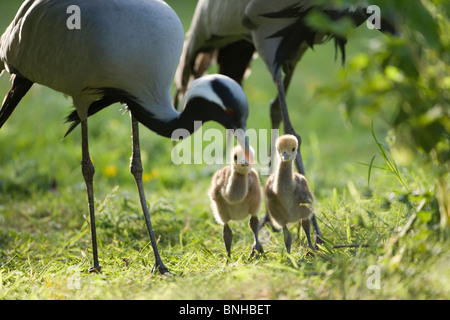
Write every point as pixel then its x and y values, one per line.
pixel 235 157
pixel 293 149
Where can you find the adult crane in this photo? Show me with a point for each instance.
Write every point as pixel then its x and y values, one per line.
pixel 123 51
pixel 233 30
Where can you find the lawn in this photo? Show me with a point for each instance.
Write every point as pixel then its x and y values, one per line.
pixel 45 248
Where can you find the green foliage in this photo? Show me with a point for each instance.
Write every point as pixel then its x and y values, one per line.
pixel 405 80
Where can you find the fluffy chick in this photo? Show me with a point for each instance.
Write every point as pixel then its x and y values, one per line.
pixel 288 196
pixel 235 193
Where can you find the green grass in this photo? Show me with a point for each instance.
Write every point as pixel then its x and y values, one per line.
pixel 45 247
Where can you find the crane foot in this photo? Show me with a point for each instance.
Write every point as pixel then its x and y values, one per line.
pixel 95 269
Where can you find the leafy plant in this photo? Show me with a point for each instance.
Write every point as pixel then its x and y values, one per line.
pixel 405 81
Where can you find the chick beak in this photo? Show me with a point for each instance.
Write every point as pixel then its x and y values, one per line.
pixel 285 156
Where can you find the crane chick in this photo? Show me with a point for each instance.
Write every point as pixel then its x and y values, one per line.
pixel 288 196
pixel 235 193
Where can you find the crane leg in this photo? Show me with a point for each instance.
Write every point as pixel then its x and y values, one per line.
pixel 257 247
pixel 288 129
pixel 276 118
pixel 136 170
pixel 307 227
pixel 316 231
pixel 88 171
pixel 287 239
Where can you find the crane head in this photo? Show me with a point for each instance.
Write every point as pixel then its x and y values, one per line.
pixel 219 98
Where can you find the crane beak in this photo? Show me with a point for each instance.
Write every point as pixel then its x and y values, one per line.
pixel 248 154
pixel 249 157
pixel 243 141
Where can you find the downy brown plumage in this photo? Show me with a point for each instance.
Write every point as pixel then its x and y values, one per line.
pixel 235 193
pixel 288 196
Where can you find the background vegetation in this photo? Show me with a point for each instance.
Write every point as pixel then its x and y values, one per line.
pixel 375 148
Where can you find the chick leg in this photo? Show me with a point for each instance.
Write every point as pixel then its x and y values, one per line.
pixel 227 238
pixel 257 247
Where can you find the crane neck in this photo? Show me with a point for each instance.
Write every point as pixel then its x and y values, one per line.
pixel 196 110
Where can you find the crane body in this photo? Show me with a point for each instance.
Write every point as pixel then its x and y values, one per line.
pixel 123 51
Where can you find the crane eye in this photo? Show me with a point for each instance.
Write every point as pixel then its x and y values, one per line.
pixel 229 111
